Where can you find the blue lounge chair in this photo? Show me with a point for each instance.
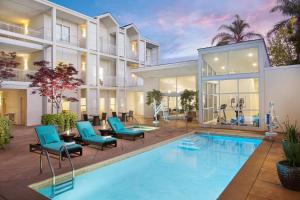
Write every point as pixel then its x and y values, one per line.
pixel 88 136
pixel 121 132
pixel 50 142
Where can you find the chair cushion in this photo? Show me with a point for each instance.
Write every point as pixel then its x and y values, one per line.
pixel 115 123
pixel 55 147
pixel 98 139
pixel 85 129
pixel 51 138
pixel 47 134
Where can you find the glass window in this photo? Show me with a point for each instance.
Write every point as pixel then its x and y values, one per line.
pixel 65 33
pixel 168 85
pixel 228 86
pixel 83 101
pixel 248 85
pixel 230 62
pixel 102 105
pixel 112 106
pixel 231 97
pixel 186 82
pixel 62 33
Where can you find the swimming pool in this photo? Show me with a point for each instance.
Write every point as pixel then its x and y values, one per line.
pixel 197 167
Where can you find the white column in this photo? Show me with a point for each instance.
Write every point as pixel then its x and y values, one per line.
pixel 53 13
pixel 200 65
pixel 261 86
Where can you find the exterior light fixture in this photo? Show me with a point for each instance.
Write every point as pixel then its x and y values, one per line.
pixel 83 66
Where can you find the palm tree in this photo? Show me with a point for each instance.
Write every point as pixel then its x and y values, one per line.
pixel 234 33
pixel 291 10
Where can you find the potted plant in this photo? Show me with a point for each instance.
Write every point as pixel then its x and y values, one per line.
pixel 154 98
pixel 188 103
pixel 289 169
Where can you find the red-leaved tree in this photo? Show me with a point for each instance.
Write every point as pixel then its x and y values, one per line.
pixel 7 65
pixel 53 83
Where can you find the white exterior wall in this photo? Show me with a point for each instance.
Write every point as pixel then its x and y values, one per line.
pixel 282 86
pixel 92 36
pixel 121 45
pixel 34 108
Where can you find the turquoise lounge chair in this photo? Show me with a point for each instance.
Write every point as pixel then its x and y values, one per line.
pixel 122 132
pixel 50 142
pixel 88 135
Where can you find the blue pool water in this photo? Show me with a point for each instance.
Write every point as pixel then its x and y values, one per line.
pixel 193 168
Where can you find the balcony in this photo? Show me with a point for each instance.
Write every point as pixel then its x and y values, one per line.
pixel 132 55
pixel 108 49
pixel 151 62
pixel 38 33
pixel 21 75
pixel 108 81
pixel 73 40
pixel 134 82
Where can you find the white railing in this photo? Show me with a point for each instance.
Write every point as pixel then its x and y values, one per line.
pixel 21 75
pixel 132 55
pixel 108 48
pixel 73 40
pixel 108 81
pixel 151 62
pixel 134 82
pixel 39 33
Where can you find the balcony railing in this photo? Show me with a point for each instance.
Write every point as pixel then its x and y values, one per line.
pixel 39 33
pixel 21 75
pixel 108 81
pixel 134 82
pixel 73 40
pixel 108 48
pixel 132 55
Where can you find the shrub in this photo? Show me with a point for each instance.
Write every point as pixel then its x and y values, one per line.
pixel 64 121
pixel 5 128
pixel 291 144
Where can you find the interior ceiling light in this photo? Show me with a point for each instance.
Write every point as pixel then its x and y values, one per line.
pixel 216 59
pixel 254 64
pixel 250 54
pixel 223 67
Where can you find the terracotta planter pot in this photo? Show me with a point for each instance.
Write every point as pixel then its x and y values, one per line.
pixel 189 116
pixel 289 176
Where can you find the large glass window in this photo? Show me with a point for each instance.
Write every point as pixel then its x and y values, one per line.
pixel 230 62
pixel 231 102
pixel 62 33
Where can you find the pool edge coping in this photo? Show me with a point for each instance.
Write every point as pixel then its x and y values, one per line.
pixel 229 189
pixel 241 185
pixel 41 184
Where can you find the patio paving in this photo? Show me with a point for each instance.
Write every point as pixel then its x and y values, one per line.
pixel 20 168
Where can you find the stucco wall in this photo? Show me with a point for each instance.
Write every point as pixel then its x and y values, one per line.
pixel 282 86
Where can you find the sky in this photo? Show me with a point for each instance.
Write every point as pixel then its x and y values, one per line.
pixel 180 26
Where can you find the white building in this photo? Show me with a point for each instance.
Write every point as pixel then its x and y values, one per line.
pixel 119 66
pixel 103 52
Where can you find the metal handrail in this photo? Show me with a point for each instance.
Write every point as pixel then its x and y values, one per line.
pixel 62 149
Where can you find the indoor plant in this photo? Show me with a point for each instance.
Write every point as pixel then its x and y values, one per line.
pixel 289 169
pixel 188 103
pixel 154 97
